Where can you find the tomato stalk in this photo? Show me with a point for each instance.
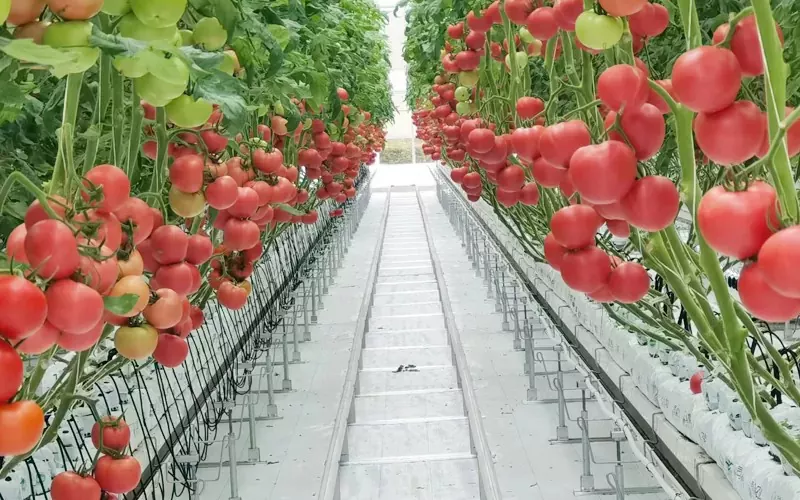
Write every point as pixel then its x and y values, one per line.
pixel 162 139
pixel 135 137
pixel 72 96
pixel 118 116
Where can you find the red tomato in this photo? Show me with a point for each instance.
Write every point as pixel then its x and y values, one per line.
pixel 171 351
pixel 623 87
pixel 111 182
pixel 644 127
pixel 618 228
pixel 481 24
pixel 23 307
pixel 574 227
pixel 603 295
pixel 507 198
pixel 15 246
pixel 36 213
pixel 133 285
pixel 517 10
pixel 475 40
pixel 199 249
pixel 696 383
pixel 178 277
pixel 72 486
pixel 22 423
pixel 116 434
pixel 232 296
pixel 542 23
pixel 629 282
pixel 166 311
pixel 100 274
pixel 73 307
pixel 761 300
pixel 11 372
pixel 746 44
pixel 25 11
pixel 529 194
pixel 215 143
pixel 52 249
pixel 82 341
pixel 103 228
pixel 342 93
pixel 222 193
pixel 560 141
pixel 240 234
pixel 481 140
pixel 619 8
pixel 737 223
pixel 706 79
pixel 268 162
pixel 138 213
pixel 170 245
pixel 40 341
pixel 586 270
pixel 186 173
pixel 650 21
pixel 566 12
pixel 652 203
pixel 547 174
pixel 246 203
pixel 778 259
pixel 511 178
pixel 732 135
pixel 118 475
pixel 603 173
pixel 528 107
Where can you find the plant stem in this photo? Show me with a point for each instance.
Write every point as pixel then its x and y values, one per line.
pixel 72 96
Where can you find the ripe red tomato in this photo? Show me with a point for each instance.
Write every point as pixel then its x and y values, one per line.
pixel 706 79
pixel 586 270
pixel 737 223
pixel 199 249
pixel 619 8
pixel 575 226
pixel 652 203
pixel 73 307
pixel 603 173
pixel 480 24
pixel 111 181
pixel 72 486
pixel 481 140
pixel 40 341
pixel 215 143
pixel 171 351
pixel 511 178
pixel 629 282
pixel 566 12
pixel 100 274
pixel 650 21
pixel 547 174
pixel 246 203
pixel 11 372
pixel 342 93
pixel 761 300
pixel 746 44
pixel 232 296
pixel 603 295
pixel 542 23
pixel 517 10
pixel 268 162
pixel 623 87
pixel 732 135
pixel 507 198
pixel 22 423
pixel 166 311
pixel 117 475
pixel 116 434
pixel 560 141
pixel 178 277
pixel 138 213
pixel 170 245
pixel 25 11
pixel 186 173
pixel 644 127
pixel 529 194
pixel 133 285
pixel 284 191
pixel 52 249
pixel 475 40
pixel 778 259
pixel 23 307
pixel 82 341
pixel 528 107
pixel 222 193
pixel 618 228
pixel 696 383
pixel 525 141
pixel 240 234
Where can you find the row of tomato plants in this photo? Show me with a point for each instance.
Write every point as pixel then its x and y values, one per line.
pixel 203 171
pixel 583 175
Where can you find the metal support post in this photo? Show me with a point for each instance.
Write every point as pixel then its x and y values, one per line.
pixel 296 358
pixel 306 327
pixel 517 333
pixel 587 479
pixel 232 460
pixel 287 382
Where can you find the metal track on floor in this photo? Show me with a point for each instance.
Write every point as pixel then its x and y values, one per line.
pixel 408 425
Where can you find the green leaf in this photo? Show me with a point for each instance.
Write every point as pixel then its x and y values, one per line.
pixel 27 50
pixel 281 34
pixel 200 59
pixel 225 90
pixel 228 16
pixel 289 209
pixel 122 304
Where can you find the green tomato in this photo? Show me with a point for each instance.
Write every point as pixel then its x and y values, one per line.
pixel 5 9
pixel 209 34
pixel 228 64
pixel 131 27
pixel 463 108
pixel 83 59
pixel 521 58
pixel 156 91
pixel 525 35
pixel 185 112
pixel 186 38
pixel 68 34
pixel 279 109
pixel 173 70
pixel 468 78
pixel 116 7
pixel 462 94
pixel 159 13
pixel 597 31
pixel 130 66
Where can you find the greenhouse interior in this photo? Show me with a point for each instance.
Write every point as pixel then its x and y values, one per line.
pixel 399 249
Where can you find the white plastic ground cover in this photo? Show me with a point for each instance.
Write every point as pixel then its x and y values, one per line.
pixel 726 453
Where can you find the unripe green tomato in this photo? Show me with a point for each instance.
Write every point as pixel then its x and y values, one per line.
pixel 5 9
pixel 229 64
pixel 185 112
pixel 156 91
pixel 159 13
pixel 279 109
pixel 68 34
pixel 468 78
pixel 130 66
pixel 209 34
pixel 525 35
pixel 597 31
pixel 131 27
pixel 462 94
pixel 187 38
pixel 521 58
pixel 463 108
pixel 83 59
pixel 116 7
